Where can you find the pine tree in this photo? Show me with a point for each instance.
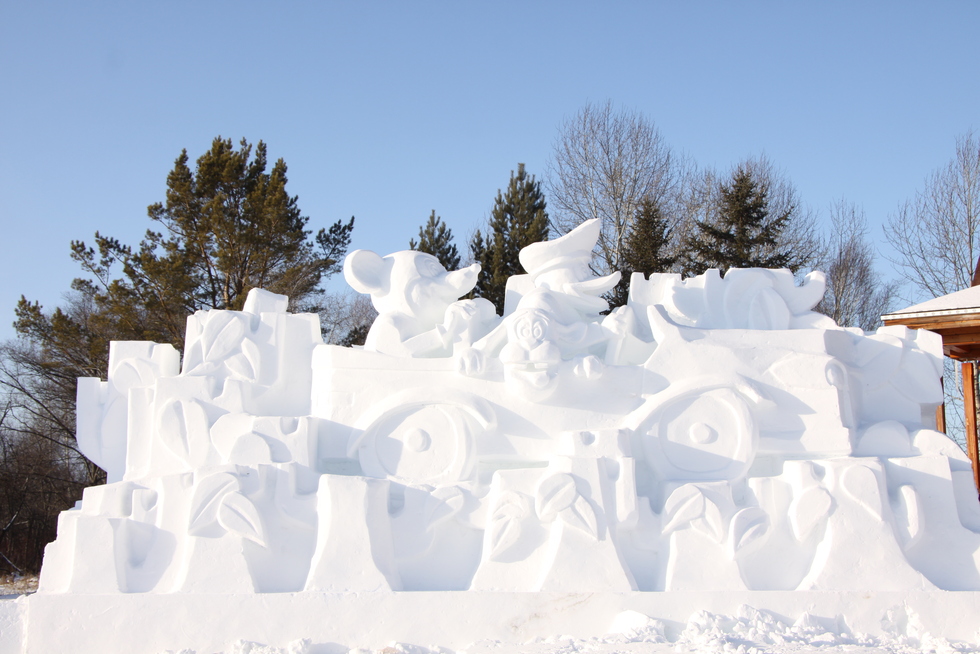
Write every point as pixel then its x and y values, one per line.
pixel 518 219
pixel 226 227
pixel 743 235
pixel 437 239
pixel 647 249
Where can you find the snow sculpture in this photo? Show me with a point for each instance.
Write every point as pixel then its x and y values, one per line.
pixel 416 299
pixel 714 434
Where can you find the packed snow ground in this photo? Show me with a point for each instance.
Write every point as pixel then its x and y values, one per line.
pixel 751 632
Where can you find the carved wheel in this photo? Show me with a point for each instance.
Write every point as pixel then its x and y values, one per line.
pixel 700 435
pixel 421 444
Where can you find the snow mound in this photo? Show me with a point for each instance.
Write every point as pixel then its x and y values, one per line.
pixel 751 631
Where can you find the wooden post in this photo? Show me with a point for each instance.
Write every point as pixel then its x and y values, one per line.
pixel 970 409
pixel 941 409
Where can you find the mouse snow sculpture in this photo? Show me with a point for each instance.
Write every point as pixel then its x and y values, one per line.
pixel 416 299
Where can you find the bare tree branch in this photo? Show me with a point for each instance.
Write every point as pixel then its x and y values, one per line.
pixel 604 163
pixel 936 234
pixel 856 295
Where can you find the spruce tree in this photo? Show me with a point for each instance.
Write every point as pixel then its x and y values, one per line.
pixel 647 249
pixel 744 235
pixel 228 225
pixel 518 218
pixel 437 239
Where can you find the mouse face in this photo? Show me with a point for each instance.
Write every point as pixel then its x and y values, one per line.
pixel 427 288
pixel 408 283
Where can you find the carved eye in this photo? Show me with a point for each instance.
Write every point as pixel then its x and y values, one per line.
pixel 530 330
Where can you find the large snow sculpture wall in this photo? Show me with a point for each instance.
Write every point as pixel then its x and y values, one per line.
pixel 712 434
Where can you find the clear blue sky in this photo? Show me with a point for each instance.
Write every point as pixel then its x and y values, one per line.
pixel 387 110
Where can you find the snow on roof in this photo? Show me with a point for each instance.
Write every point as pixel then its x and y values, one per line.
pixel 960 302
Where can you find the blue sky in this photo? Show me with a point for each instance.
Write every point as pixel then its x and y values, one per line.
pixel 386 110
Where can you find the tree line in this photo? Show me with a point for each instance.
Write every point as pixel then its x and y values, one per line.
pixel 227 224
pixel 661 213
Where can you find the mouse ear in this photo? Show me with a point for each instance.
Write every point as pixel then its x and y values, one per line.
pixel 367 272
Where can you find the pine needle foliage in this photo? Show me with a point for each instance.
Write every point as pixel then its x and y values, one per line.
pixel 647 249
pixel 436 238
pixel 743 235
pixel 225 228
pixel 519 217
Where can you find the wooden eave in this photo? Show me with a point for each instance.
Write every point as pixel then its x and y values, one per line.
pixel 960 329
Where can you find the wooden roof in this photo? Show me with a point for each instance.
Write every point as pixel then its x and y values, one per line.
pixel 956 317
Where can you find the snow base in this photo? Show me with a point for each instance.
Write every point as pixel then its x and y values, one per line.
pixel 12 617
pixel 475 621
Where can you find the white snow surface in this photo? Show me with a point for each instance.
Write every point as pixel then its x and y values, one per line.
pixel 961 301
pixel 469 481
pixel 750 632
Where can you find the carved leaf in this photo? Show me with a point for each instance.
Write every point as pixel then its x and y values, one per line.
pixel 712 524
pixel 505 524
pixel 911 510
pixel 555 493
pixel 810 510
pixel 747 527
pixel 581 515
pixel 238 515
pixel 223 334
pixel 442 505
pixel 144 498
pixel 768 310
pixel 131 374
pixel 193 357
pixel 684 505
pixel 240 366
pixel 206 499
pixel 184 428
pixel 251 351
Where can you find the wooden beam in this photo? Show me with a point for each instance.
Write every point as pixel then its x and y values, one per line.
pixel 962 352
pixel 938 323
pixel 959 331
pixel 971 337
pixel 970 409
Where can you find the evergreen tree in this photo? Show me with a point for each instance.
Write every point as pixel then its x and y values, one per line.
pixel 226 227
pixel 518 218
pixel 743 235
pixel 647 249
pixel 437 239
